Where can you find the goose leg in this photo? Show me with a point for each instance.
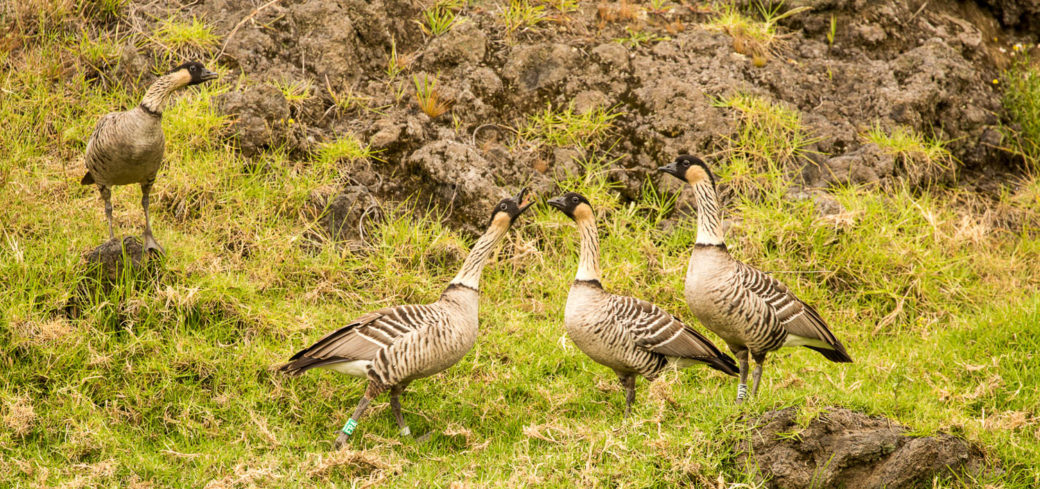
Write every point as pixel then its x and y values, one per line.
pixel 628 381
pixel 348 429
pixel 395 408
pixel 757 376
pixel 106 195
pixel 742 360
pixel 149 240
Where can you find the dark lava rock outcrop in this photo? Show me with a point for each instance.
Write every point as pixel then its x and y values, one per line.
pixel 842 448
pixel 924 66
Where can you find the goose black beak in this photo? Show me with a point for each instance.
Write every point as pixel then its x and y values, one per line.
pixel 670 169
pixel 521 202
pixel 558 203
pixel 208 75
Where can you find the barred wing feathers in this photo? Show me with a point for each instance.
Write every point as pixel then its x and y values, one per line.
pixel 796 317
pixel 655 330
pixel 364 337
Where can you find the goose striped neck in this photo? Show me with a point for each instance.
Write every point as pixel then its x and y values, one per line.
pixel 469 275
pixel 709 217
pixel 158 93
pixel 588 259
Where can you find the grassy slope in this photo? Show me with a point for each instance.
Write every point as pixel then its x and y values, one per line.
pixel 169 381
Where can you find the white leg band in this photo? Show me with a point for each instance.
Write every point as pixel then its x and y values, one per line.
pixel 741 391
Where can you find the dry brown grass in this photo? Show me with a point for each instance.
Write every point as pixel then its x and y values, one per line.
pixel 429 98
pixel 19 415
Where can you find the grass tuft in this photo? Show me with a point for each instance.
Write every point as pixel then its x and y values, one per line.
pixel 521 15
pixel 921 159
pixel 347 148
pixel 565 127
pixel 296 92
pixel 770 140
pixel 396 63
pixel 440 18
pixel 429 98
pixel 1022 101
pixel 187 37
pixel 755 38
pixel 639 37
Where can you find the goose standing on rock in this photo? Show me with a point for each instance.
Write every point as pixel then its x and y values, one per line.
pixel 127 147
pixel 631 336
pixel 752 311
pixel 392 347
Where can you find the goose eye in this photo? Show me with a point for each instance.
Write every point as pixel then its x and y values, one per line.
pixel 503 206
pixel 574 199
pixel 192 68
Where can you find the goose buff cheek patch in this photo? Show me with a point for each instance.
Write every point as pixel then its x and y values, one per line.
pixel 348 429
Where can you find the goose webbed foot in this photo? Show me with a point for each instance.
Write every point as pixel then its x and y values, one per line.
pixel 341 440
pixel 151 245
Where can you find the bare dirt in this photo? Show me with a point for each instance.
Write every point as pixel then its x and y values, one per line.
pixel 842 448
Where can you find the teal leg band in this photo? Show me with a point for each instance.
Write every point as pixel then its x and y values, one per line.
pixel 348 429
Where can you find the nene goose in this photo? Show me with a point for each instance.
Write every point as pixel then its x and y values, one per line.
pixel 752 311
pixel 127 147
pixel 392 347
pixel 631 336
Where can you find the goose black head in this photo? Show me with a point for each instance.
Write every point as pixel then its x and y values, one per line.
pixel 192 73
pixel 573 205
pixel 690 169
pixel 511 207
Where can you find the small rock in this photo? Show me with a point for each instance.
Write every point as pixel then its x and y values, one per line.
pixel 387 133
pixel 257 112
pixel 464 43
pixel 534 67
pixel 485 82
pixel 865 164
pixel 589 100
pixel 827 205
pixel 346 214
pixel 612 54
pixel 113 256
pixel 460 179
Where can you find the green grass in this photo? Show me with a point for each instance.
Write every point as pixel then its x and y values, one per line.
pixel 922 159
pixel 522 15
pixel 296 92
pixel 440 17
pixel 770 138
pixel 754 34
pixel 561 127
pixel 182 35
pixel 168 380
pixel 429 98
pixel 1022 101
pixel 346 148
pixel 637 38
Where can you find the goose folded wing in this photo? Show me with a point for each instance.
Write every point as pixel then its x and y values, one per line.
pixel 796 317
pixel 655 330
pixel 362 338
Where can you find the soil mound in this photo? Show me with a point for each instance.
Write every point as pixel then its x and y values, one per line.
pixel 842 448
